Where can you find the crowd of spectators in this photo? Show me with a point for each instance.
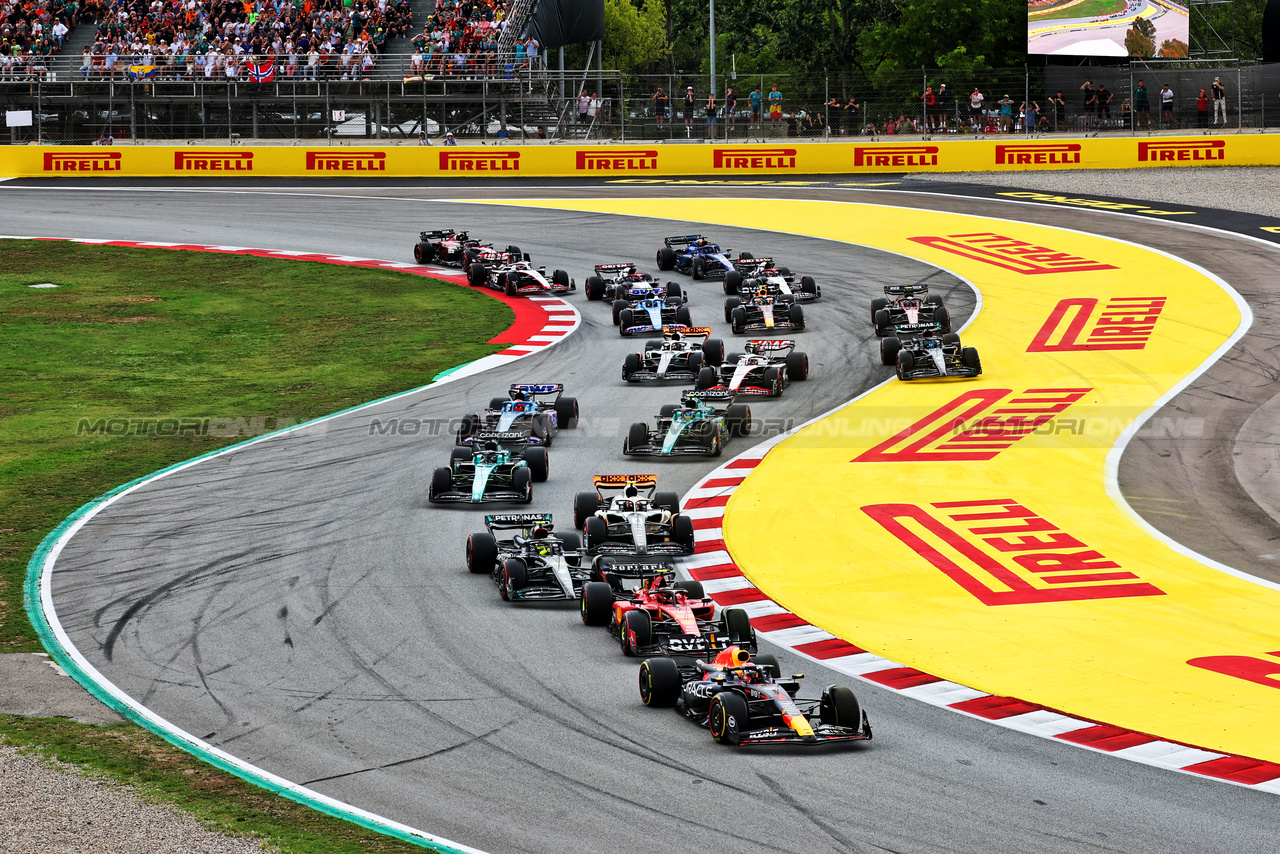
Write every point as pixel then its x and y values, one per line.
pixel 30 32
pixel 461 39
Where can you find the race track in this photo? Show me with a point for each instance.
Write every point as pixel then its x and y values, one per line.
pixel 297 603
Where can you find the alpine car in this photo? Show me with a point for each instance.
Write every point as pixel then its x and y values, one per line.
pixel 761 311
pixel 695 255
pixel 780 281
pixel 665 618
pixel 453 248
pixel 517 277
pixel 484 473
pixel 764 370
pixel 538 410
pixel 651 314
pixel 904 305
pixel 531 563
pixel 694 426
pixel 626 515
pixel 930 357
pixel 747 702
pixel 679 355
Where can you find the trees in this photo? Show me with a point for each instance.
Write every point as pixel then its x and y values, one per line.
pixel 1140 41
pixel 635 35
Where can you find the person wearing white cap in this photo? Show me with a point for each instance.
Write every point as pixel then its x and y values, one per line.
pixel 449 140
pixel 1219 102
pixel 688 108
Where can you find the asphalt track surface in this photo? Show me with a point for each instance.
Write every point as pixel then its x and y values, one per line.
pixel 299 604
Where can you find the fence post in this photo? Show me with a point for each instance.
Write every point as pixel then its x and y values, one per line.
pixel 1240 103
pixel 622 106
pixel 133 117
pixel 924 108
pixel 327 118
pixel 1026 99
pixel 39 110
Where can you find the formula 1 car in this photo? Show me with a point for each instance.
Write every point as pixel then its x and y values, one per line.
pixel 765 369
pixel 453 248
pixel 626 515
pixel 780 281
pixel 930 356
pixel 665 618
pixel 517 278
pixel 678 355
pixel 622 285
pixel 486 472
pixel 537 410
pixel 533 563
pixel 651 315
pixel 760 311
pixel 747 702
pixel 908 305
pixel 695 426
pixel 694 255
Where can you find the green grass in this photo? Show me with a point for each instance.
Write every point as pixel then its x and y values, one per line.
pixel 1086 9
pixel 161 334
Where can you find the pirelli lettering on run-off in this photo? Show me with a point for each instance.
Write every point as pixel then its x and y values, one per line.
pixel 895 156
pixel 1037 153
pixel 754 158
pixel 1075 324
pixel 213 161
pixel 475 161
pixel 1002 553
pixel 346 161
pixel 1018 255
pixel 1178 151
pixel 617 159
pixel 106 161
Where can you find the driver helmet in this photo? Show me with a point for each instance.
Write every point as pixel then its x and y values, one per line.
pixel 763 290
pixel 518 395
pixel 539 533
pixel 688 401
pixel 676 336
pixel 542 548
pixel 733 656
pixel 631 491
pixel 491 445
pixel 701 241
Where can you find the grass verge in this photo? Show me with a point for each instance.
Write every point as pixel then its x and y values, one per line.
pixel 140 359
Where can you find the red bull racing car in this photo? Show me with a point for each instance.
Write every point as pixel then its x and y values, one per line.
pixel 763 312
pixel 779 281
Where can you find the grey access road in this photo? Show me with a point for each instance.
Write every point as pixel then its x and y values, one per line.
pixel 299 604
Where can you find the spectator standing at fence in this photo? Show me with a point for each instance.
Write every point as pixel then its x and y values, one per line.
pixel 1141 105
pixel 1219 101
pixel 1090 104
pixel 1104 97
pixel 928 100
pixel 945 101
pixel 688 110
pixel 1166 104
pixel 1126 112
pixel 1006 114
pixel 775 106
pixel 584 104
pixel 851 122
pixel 593 108
pixel 755 100
pixel 1058 105
pixel 711 108
pixel 1030 110
pixel 730 111
pixel 1202 110
pixel 660 104
pixel 975 109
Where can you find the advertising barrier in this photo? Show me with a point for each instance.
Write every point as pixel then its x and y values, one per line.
pixel 999 154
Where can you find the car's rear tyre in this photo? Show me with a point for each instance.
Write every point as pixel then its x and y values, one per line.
pixel 630 365
pixel 666 258
pixel 513 251
pixel 730 303
pixel 637 437
pixel 733 358
pixel 471 425
pixel 707 377
pixel 482 553
pixel 683 316
pixel 732 282
pixel 971 360
pixel 713 351
pixel 585 504
pixel 441 482
pixel 839 707
pixel 515 577
pixel 597 603
pixel 522 482
pixel 934 299
pixel 795 314
pixel 567 413
pixel 906 363
pixel 422 252
pixel 728 717
pixel 674 291
pixel 625 320
pixel 667 501
pixel 890 346
pixel 560 278
pixel 653 344
pixel 877 305
pixel 659 682
pixel 667 410
pixel 538 462
pixel 951 338
pixel 808 285
pixel 597 531
pixel 746 256
pixel 738 419
pixel 636 631
pixel 769 663
pixel 738 320
pixel 737 625
pixel 594 287
pixel 572 540
pixel 942 317
pixel 497 402
pixel 797 366
pixel 618 306
pixel 786 271
pixel 692 588
pixel 682 531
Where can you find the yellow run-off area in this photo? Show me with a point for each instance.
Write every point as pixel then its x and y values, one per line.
pixel 964 526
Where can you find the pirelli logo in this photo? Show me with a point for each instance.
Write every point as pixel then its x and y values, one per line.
pixel 497 161
pixel 346 161
pixel 895 156
pixel 1124 323
pixel 107 161
pixel 1003 553
pixel 617 159
pixel 213 161
pixel 978 425
pixel 1030 259
pixel 1157 151
pixel 754 158
pixel 1037 153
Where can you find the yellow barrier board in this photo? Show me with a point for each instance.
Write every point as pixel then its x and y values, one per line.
pixel 964 527
pixel 986 154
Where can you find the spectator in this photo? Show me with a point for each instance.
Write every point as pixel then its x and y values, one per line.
pixel 975 109
pixel 943 107
pixel 813 125
pixel 449 140
pixel 541 134
pixel 660 104
pixel 584 104
pixel 1166 104
pixel 1202 110
pixel 755 99
pixel 730 110
pixel 1126 112
pixel 1141 105
pixel 851 109
pixel 1090 104
pixel 503 133
pixel 1059 106
pixel 1219 97
pixel 711 116
pixel 688 110
pixel 890 127
pixel 1006 114
pixel 929 100
pixel 1030 111
pixel 775 106
pixel 1104 96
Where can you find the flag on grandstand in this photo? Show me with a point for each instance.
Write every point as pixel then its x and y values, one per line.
pixel 261 72
pixel 141 72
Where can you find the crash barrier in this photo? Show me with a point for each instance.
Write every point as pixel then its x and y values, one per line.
pixel 639 161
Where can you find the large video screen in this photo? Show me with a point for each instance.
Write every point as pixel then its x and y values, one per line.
pixel 1138 28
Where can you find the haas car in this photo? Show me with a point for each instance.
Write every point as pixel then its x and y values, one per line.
pixel 453 248
pixel 764 370
pixel 516 277
pixel 695 256
pixel 536 410
pixel 693 426
pixel 665 617
pixel 488 471
pixel 679 354
pixel 526 560
pixel 626 515
pixel 763 312
pixel 748 702
pixel 622 287
pixel 780 281
pixel 908 306
pixel 930 356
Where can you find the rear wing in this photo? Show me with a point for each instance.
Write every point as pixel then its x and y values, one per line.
pixel 683 241
pixel 918 328
pixel 518 521
pixel 906 290
pixel 771 346
pixel 644 572
pixel 623 267
pixel 751 265
pixel 702 332
pixel 506 437
pixel 535 389
pixel 442 233
pixel 709 395
pixel 646 483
